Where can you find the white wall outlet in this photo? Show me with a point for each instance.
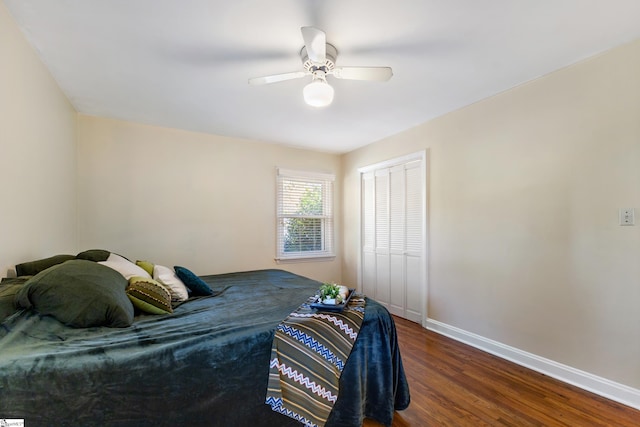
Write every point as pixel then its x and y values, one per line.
pixel 627 216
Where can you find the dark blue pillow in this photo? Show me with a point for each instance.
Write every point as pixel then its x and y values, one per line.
pixel 194 283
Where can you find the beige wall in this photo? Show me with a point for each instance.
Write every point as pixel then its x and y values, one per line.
pixel 183 198
pixel 37 149
pixel 525 187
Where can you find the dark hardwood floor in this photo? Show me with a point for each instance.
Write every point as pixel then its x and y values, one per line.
pixel 453 384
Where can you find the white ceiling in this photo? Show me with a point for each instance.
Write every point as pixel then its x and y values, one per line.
pixel 185 63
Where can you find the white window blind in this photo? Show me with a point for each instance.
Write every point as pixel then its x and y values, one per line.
pixel 304 214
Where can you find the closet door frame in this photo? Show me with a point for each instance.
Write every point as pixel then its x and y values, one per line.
pixel 423 156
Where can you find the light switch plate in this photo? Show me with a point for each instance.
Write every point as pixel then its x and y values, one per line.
pixel 627 216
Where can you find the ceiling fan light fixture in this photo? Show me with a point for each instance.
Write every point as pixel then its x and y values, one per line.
pixel 318 93
pixel 318 60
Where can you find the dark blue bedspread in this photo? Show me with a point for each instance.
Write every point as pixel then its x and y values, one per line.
pixel 204 365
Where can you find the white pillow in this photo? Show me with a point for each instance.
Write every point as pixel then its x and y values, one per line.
pixel 124 267
pixel 171 281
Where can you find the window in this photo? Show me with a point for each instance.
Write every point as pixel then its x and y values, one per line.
pixel 305 215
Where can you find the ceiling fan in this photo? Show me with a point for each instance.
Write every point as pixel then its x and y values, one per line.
pixel 318 60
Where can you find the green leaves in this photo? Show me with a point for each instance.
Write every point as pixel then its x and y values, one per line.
pixel 331 291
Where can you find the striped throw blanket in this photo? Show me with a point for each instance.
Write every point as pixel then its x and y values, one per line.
pixel 309 351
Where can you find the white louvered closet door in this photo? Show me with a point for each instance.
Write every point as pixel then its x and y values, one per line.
pixel 392 244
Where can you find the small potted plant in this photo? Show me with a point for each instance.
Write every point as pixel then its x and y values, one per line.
pixel 330 294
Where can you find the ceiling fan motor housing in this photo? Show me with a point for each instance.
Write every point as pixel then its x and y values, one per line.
pixel 328 64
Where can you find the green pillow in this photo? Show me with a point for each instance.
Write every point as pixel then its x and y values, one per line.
pixel 79 293
pixel 32 268
pixel 149 296
pixel 95 255
pixel 9 287
pixel 146 266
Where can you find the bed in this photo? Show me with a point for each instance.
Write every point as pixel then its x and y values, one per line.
pixel 206 364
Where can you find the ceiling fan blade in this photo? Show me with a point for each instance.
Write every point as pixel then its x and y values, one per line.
pixel 277 78
pixel 315 41
pixel 363 73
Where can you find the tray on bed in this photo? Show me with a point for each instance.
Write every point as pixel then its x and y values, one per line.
pixel 318 304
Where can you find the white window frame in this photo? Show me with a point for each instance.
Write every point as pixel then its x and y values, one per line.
pixel 327 251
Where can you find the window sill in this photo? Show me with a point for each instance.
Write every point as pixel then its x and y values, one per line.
pixel 293 260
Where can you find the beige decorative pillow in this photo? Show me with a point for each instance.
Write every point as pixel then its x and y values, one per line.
pixel 172 282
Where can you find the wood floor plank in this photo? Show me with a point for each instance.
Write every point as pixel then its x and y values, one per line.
pixel 453 384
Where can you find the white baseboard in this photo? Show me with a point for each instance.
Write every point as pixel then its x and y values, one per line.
pixel 611 390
